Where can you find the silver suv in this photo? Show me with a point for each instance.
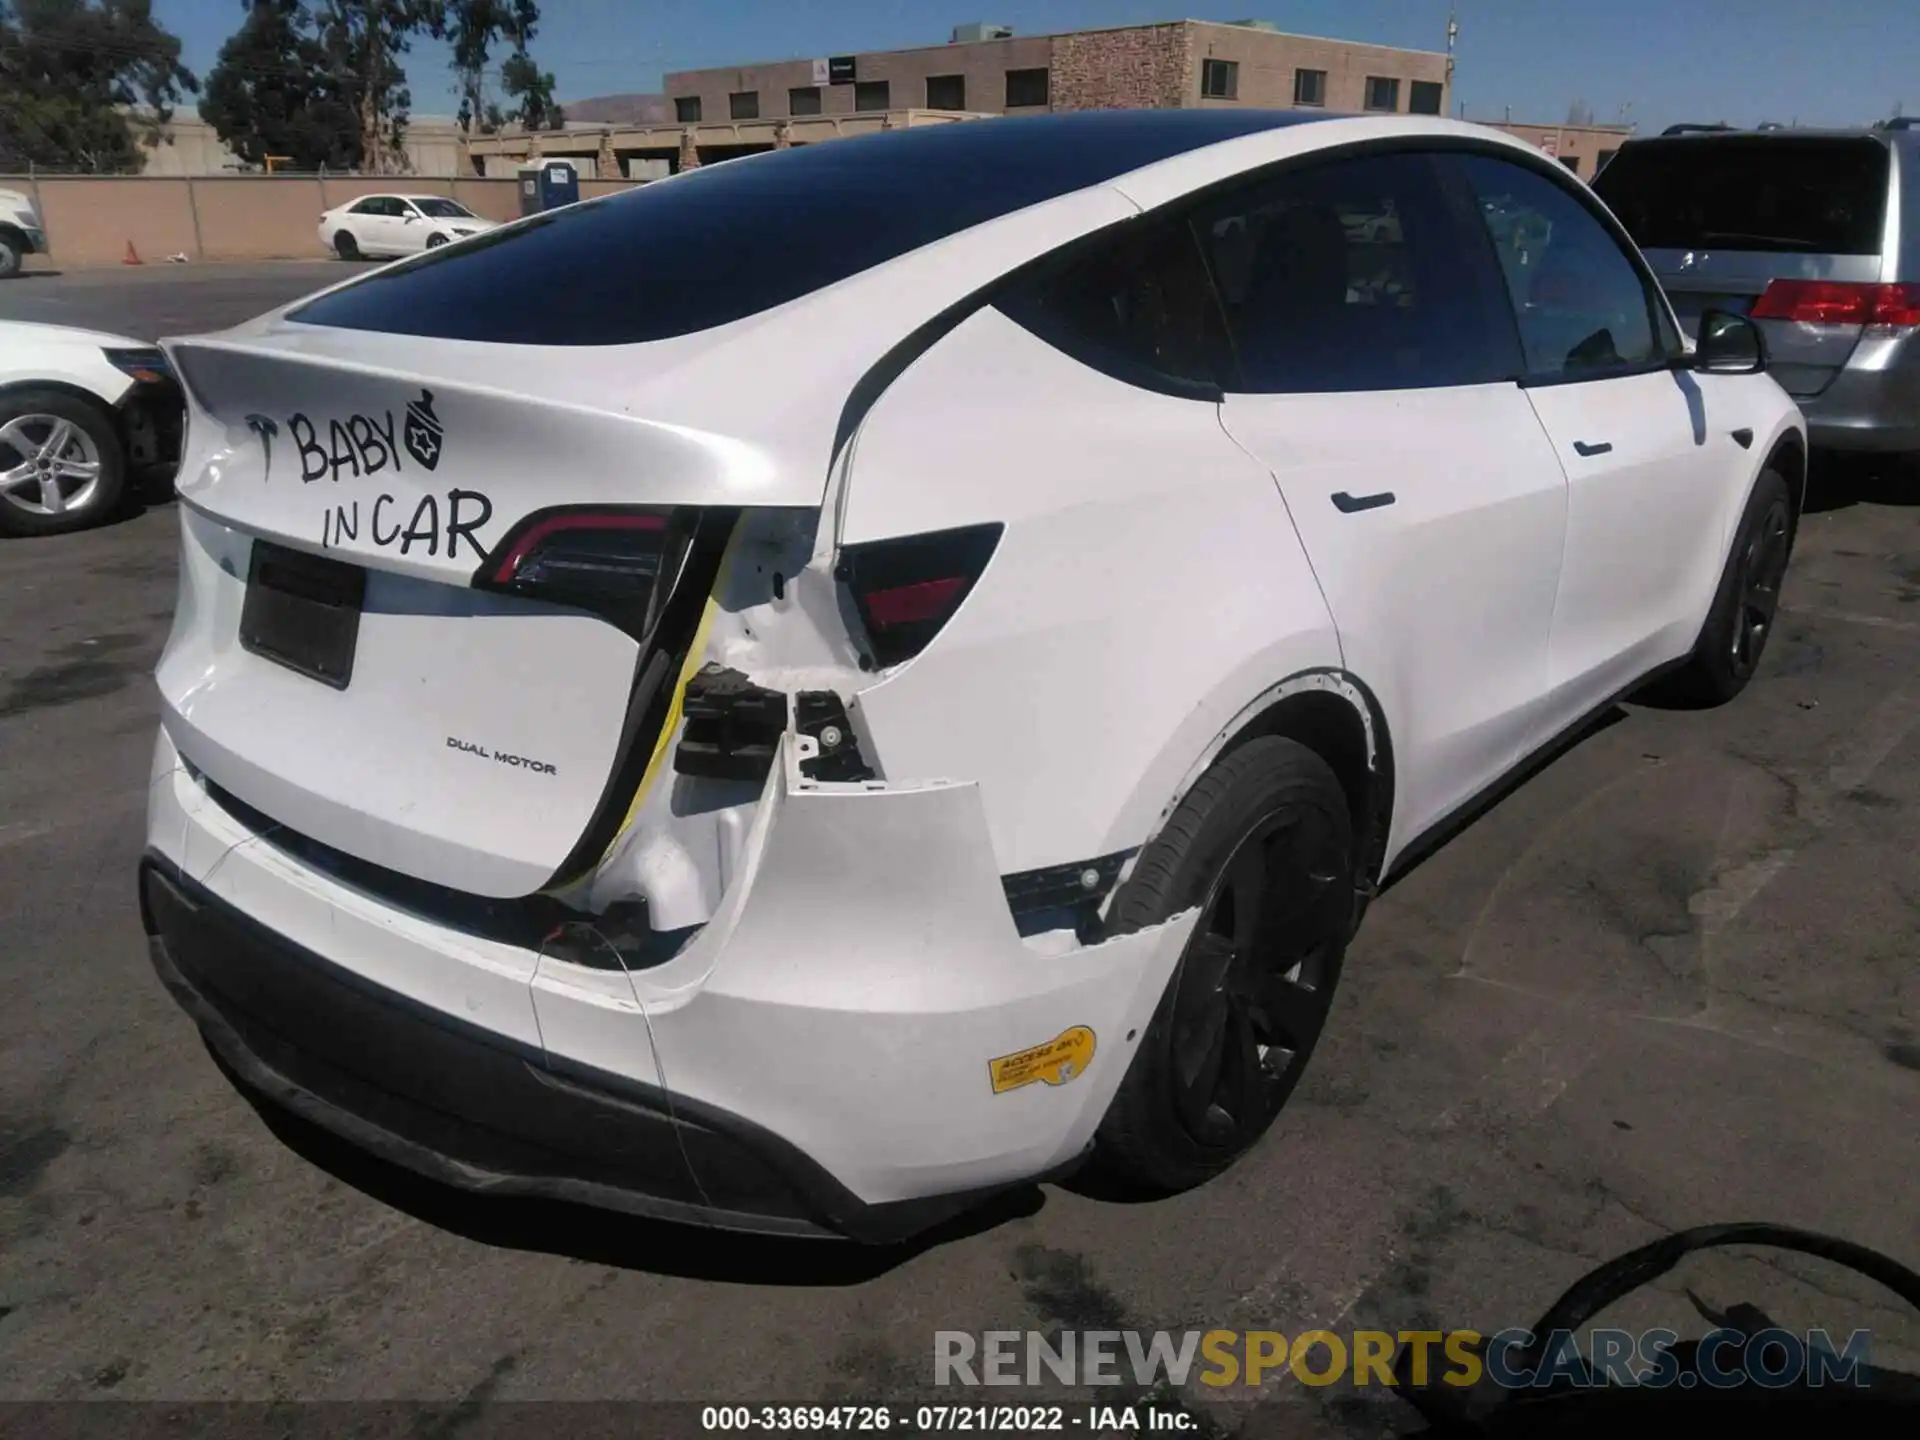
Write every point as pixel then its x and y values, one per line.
pixel 1814 234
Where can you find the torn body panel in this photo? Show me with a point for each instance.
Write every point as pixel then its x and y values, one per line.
pixel 862 957
pixel 1139 536
pixel 865 954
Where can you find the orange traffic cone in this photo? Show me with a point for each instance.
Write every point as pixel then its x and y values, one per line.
pixel 132 256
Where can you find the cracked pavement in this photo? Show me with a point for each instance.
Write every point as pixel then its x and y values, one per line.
pixel 1673 980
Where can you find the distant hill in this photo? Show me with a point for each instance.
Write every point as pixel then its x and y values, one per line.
pixel 619 110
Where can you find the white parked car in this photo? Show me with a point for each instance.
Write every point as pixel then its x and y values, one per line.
pixel 926 696
pixel 389 225
pixel 21 233
pixel 79 412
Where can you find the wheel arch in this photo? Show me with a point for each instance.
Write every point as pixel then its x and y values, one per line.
pixel 1789 457
pixel 107 409
pixel 1333 713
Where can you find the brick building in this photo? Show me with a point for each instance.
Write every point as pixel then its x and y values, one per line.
pixel 716 114
pixel 985 70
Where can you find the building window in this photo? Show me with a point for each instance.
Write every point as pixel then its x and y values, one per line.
pixel 1026 87
pixel 1382 93
pixel 744 105
pixel 803 100
pixel 1309 87
pixel 1424 96
pixel 1219 79
pixel 1600 160
pixel 871 95
pixel 946 92
pixel 1572 162
pixel 686 109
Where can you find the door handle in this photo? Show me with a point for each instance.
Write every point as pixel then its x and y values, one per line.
pixel 1352 504
pixel 1580 447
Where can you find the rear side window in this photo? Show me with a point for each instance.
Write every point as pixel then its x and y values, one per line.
pixel 732 239
pixel 1356 275
pixel 1792 194
pixel 1584 308
pixel 1138 306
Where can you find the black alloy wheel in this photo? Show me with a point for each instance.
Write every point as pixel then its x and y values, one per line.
pixel 1263 848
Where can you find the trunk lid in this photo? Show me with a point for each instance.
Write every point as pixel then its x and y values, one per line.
pixel 334 668
pixel 1719 217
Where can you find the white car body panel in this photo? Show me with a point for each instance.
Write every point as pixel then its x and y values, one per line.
pixel 34 354
pixel 373 768
pixel 1148 507
pixel 832 1019
pixel 1632 592
pixel 840 963
pixel 1458 666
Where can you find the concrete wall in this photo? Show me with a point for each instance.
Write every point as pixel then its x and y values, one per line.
pixel 188 145
pixel 92 220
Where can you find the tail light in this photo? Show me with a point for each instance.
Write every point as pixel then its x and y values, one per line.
pixel 905 590
pixel 1837 302
pixel 618 563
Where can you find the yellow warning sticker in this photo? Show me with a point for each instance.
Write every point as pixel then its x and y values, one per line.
pixel 1054 1063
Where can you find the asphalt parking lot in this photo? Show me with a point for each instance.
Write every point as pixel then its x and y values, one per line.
pixel 1674 980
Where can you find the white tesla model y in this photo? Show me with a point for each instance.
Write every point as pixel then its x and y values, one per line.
pixel 898 671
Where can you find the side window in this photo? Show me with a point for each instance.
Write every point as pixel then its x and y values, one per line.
pixel 1583 306
pixel 1138 307
pixel 1356 275
pixel 370 206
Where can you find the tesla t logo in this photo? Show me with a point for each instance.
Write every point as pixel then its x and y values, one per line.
pixel 423 433
pixel 1687 261
pixel 266 430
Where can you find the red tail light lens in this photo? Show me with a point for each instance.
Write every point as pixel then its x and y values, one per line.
pixel 618 563
pixel 907 589
pixel 1837 302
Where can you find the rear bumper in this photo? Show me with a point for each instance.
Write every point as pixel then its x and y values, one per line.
pixel 472 1108
pixel 827 1036
pixel 1873 403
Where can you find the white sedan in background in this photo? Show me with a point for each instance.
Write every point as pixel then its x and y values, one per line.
pixel 79 411
pixel 397 225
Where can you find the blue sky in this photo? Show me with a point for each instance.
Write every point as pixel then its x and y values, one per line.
pixel 1651 61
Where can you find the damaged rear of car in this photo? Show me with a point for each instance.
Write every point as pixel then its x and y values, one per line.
pixel 649 744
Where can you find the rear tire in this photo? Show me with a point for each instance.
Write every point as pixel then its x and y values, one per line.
pixel 1263 844
pixel 85 473
pixel 1735 634
pixel 12 255
pixel 345 246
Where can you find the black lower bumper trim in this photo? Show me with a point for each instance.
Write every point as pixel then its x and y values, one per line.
pixel 475 1109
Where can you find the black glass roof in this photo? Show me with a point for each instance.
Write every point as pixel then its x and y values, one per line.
pixel 735 238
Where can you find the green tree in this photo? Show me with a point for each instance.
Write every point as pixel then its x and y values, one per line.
pixel 363 42
pixel 532 88
pixel 69 72
pixel 271 92
pixel 473 27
